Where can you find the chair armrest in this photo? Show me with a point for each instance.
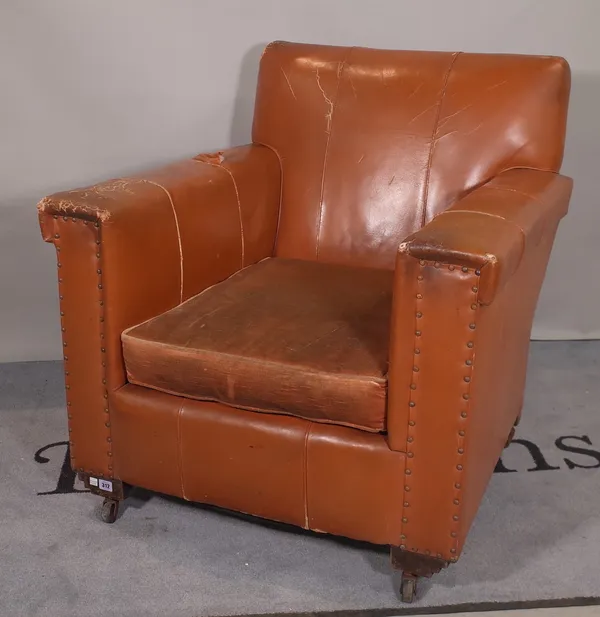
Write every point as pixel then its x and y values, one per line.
pixel 131 248
pixel 489 228
pixel 466 288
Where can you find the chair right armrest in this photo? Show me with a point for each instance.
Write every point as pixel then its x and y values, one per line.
pixel 466 289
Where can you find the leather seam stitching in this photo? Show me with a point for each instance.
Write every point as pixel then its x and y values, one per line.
pixel 327 143
pixel 406 485
pixel 239 203
pixel 160 186
pixel 306 513
pixel 490 214
pixel 434 136
pixel 455 525
pixel 98 235
pixel 280 192
pixel 237 194
pixel 180 449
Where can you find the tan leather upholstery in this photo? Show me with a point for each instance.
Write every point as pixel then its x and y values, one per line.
pixel 319 331
pixel 374 143
pixel 373 259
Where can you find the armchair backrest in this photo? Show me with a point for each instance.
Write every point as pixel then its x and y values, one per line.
pixel 374 143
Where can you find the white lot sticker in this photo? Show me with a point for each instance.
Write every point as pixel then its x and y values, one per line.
pixel 93 481
pixel 106 485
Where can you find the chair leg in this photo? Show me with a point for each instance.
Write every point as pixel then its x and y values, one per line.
pixel 114 492
pixel 413 566
pixel 110 510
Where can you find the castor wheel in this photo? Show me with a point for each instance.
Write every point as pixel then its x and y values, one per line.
pixel 510 437
pixel 408 587
pixel 110 510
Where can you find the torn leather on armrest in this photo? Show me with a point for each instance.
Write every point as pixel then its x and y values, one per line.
pixel 491 228
pixel 129 197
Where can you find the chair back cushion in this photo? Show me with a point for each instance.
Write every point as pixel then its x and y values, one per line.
pixel 374 143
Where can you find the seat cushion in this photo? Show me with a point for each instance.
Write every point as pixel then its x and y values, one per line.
pixel 281 336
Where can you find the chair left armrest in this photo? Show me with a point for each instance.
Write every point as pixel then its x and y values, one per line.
pixel 466 289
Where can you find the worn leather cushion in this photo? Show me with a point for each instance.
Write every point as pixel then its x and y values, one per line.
pixel 282 336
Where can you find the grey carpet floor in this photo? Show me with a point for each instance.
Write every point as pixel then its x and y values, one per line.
pixel 537 534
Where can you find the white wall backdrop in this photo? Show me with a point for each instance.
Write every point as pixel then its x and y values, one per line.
pixel 91 90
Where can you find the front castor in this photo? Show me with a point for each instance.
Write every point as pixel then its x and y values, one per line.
pixel 110 510
pixel 408 587
pixel 413 565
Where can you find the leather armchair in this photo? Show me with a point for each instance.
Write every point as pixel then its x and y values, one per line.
pixel 328 327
